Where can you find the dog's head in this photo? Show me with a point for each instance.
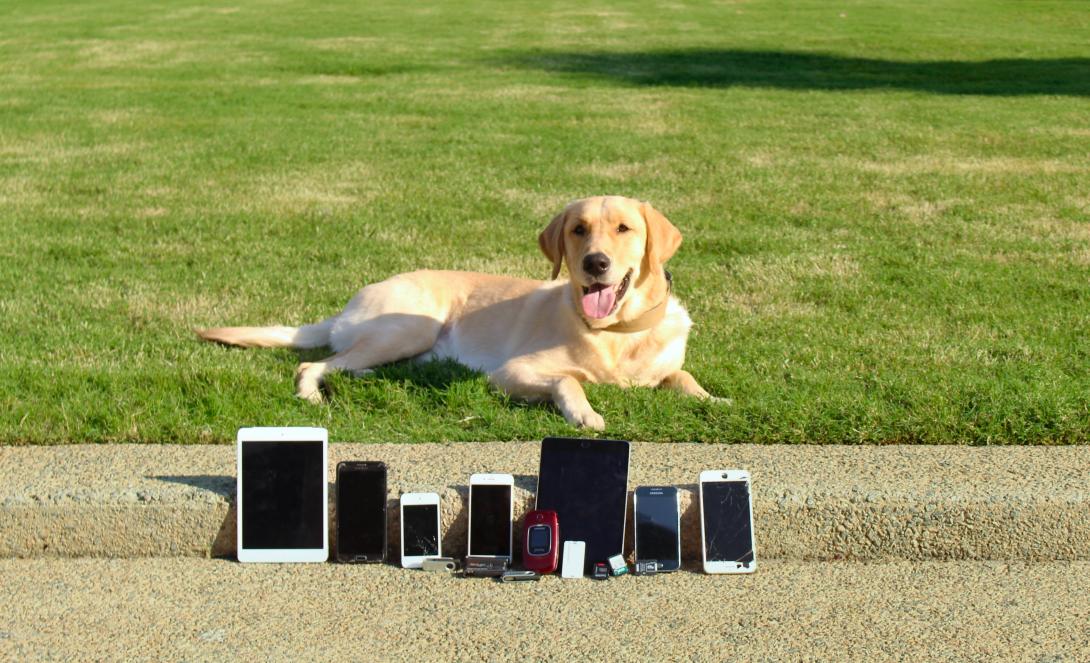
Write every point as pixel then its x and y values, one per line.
pixel 615 249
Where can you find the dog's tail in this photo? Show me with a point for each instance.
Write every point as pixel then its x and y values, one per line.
pixel 307 336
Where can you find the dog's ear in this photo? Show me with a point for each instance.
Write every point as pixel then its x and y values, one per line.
pixel 551 241
pixel 662 237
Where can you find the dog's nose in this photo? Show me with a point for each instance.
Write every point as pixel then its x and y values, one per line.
pixel 596 264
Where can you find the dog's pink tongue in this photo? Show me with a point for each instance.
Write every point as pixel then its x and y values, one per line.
pixel 599 301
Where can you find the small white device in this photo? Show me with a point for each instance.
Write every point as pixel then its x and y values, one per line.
pixel 726 522
pixel 572 564
pixel 282 495
pixel 419 529
pixel 491 507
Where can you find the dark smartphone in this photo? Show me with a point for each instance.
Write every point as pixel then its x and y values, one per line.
pixel 490 513
pixel 361 511
pixel 658 526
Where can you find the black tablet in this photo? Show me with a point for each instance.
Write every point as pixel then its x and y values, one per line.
pixel 586 483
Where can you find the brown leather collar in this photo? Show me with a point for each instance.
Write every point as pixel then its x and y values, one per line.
pixel 648 318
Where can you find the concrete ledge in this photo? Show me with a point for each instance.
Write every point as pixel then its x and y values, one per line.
pixel 810 502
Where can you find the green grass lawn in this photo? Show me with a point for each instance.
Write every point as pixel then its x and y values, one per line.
pixel 886 207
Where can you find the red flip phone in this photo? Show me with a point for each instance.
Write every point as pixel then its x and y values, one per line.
pixel 540 541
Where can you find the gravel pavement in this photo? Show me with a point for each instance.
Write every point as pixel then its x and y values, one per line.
pixel 865 554
pixel 810 502
pixel 215 610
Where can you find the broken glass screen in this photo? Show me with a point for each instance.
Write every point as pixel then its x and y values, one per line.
pixel 728 532
pixel 421 523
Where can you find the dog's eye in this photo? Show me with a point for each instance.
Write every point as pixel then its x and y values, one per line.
pixel 579 230
pixel 622 228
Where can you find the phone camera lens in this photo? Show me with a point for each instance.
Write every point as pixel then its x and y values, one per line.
pixel 726 476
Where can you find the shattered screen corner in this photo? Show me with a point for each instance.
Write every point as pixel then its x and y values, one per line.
pixel 728 531
pixel 421 530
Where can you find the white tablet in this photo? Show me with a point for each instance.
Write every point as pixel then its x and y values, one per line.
pixel 282 495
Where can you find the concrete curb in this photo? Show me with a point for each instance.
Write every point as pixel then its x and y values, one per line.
pixel 810 502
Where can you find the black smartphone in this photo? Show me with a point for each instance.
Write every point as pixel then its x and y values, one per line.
pixel 658 526
pixel 490 513
pixel 361 511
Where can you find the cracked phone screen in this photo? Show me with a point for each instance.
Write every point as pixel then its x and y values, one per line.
pixel 421 530
pixel 728 531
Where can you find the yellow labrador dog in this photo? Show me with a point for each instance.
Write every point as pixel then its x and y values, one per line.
pixel 614 322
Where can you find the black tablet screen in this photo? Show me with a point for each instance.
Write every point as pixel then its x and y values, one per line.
pixel 586 483
pixel 282 503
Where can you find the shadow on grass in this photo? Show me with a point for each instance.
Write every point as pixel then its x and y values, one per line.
pixel 813 71
pixel 440 374
pixel 437 374
pixel 431 380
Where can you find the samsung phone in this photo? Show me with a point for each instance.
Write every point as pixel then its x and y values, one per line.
pixel 490 516
pixel 361 511
pixel 726 522
pixel 419 529
pixel 658 526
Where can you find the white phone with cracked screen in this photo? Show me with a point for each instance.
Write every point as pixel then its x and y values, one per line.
pixel 726 522
pixel 419 529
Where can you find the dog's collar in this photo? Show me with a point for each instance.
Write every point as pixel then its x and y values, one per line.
pixel 648 318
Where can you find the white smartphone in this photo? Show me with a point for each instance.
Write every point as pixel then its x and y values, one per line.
pixel 491 507
pixel 726 522
pixel 282 495
pixel 419 529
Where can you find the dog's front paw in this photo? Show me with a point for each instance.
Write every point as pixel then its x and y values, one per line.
pixel 313 397
pixel 589 419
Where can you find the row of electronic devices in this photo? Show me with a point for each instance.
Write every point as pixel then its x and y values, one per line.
pixel 577 524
